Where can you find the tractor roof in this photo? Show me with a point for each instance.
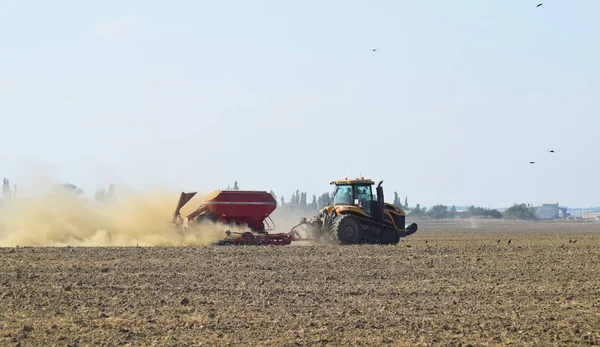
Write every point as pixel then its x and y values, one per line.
pixel 347 181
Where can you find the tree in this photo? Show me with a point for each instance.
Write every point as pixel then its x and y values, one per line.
pixel 453 213
pixel 111 195
pixel 406 201
pixel 323 200
pixel 397 200
pixel 235 186
pixel 303 200
pixel 483 212
pixel 69 188
pixel 282 201
pixel 438 212
pixel 6 190
pixel 417 211
pixel 475 211
pixel 494 214
pixel 106 196
pixel 313 204
pixel 520 211
pixel 273 195
pixel 100 196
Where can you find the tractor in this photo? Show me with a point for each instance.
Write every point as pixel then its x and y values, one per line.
pixel 355 215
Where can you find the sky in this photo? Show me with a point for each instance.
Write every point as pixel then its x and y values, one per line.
pixel 194 95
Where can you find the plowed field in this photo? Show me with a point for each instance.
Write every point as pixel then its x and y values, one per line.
pixel 448 284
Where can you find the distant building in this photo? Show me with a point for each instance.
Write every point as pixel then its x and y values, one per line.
pixel 593 216
pixel 562 213
pixel 552 211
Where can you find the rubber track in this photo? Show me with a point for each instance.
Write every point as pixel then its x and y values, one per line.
pixel 365 221
pixel 368 221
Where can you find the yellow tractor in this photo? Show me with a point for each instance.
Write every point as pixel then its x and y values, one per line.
pixel 355 215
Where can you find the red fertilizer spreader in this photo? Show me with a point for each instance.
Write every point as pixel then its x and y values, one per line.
pixel 246 209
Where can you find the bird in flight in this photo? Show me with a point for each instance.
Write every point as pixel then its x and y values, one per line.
pixel 374 49
pixel 532 162
pixel 551 151
pixel 539 5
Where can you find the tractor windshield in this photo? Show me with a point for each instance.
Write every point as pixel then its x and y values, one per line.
pixel 343 195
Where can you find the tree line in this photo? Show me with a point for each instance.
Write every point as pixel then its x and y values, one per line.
pixel 299 202
pixel 103 196
pixel 517 211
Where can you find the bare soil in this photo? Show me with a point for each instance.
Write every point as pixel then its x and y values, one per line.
pixel 448 284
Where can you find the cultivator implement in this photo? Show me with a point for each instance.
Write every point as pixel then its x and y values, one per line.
pixel 261 238
pixel 247 209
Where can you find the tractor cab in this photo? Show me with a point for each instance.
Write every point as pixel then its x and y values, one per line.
pixel 359 193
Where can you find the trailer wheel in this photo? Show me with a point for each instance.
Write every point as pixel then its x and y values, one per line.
pixel 348 230
pixel 248 239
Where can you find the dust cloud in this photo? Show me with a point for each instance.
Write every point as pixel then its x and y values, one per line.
pixel 285 220
pixel 64 219
pixel 473 223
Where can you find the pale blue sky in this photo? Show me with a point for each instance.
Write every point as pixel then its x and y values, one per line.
pixel 287 95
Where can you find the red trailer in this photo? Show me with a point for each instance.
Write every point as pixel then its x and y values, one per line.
pixel 251 209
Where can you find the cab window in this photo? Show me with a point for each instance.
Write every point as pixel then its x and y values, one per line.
pixel 363 193
pixel 364 197
pixel 343 195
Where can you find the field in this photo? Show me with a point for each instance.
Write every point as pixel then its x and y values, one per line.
pixel 449 284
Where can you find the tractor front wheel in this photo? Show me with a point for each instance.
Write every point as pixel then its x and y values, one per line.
pixel 348 230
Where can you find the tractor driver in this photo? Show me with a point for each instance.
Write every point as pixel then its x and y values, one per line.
pixel 362 196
